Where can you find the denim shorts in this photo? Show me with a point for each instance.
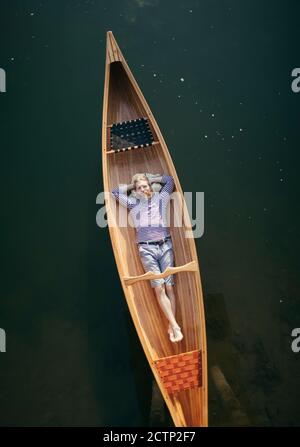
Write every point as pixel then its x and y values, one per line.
pixel 156 258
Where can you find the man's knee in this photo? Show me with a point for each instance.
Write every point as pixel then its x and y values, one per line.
pixel 159 290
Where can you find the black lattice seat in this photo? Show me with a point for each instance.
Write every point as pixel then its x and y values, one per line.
pixel 130 135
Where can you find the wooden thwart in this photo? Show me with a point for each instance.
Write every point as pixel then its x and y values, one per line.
pixel 189 267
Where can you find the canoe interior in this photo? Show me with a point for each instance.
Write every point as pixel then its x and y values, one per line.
pixel 124 104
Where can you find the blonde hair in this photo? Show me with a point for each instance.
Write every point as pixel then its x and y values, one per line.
pixel 138 177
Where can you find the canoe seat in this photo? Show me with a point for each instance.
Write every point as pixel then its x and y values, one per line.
pixel 130 135
pixel 180 372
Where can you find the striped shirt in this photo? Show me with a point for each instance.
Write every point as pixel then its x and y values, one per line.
pixel 149 216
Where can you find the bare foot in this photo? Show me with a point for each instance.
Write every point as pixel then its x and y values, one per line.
pixel 175 334
pixel 170 332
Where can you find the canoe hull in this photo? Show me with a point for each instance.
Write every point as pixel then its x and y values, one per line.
pixel 180 369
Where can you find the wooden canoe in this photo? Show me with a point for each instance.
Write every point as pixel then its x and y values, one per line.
pixel 180 369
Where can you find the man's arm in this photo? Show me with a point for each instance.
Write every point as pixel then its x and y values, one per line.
pixel 167 189
pixel 120 194
pixel 155 178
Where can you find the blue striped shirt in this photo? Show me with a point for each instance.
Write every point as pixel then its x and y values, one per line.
pixel 149 215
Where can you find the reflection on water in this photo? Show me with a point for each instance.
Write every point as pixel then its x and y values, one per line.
pixel 242 376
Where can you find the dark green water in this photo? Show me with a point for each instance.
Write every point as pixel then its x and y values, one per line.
pixel 72 356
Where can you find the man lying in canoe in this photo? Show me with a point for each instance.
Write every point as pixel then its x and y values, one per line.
pixel 154 241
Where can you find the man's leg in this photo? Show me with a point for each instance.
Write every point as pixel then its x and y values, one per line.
pixel 167 260
pixel 166 307
pixel 148 257
pixel 165 304
pixel 171 295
